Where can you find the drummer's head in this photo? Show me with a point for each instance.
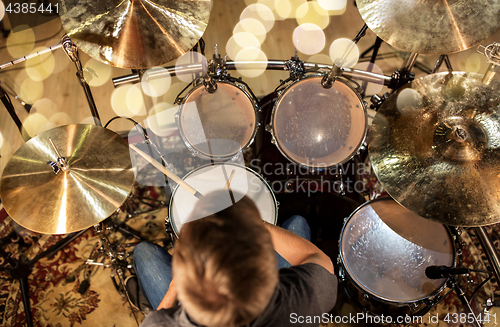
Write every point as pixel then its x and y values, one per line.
pixel 224 264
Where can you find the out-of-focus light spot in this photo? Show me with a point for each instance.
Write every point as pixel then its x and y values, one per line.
pixel 345 52
pixel 473 63
pixel 252 26
pixel 282 9
pixel 260 12
pixel 96 73
pixel 1 140
pixel 250 2
pixel 2 10
pixel 156 81
pixel 119 101
pixel 312 12
pixel 256 62
pixel 161 119
pixel 333 4
pixel 5 155
pixel 40 67
pixel 294 5
pixel 408 99
pixel 239 41
pixel 46 127
pixel 20 41
pixel 31 91
pixel 371 88
pixel 88 121
pixel 34 122
pixel 309 38
pixel 44 106
pixel 135 100
pixel 60 119
pixel 320 59
pixel 194 62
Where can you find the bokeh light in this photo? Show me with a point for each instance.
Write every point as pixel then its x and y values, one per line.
pixel 40 67
pixel 344 51
pixel 127 100
pixel 34 122
pixel 309 38
pixel 408 99
pixel 294 5
pixel 1 140
pixel 282 9
pixel 156 81
pixel 371 88
pixel 333 5
pixel 60 119
pixel 20 41
pixel 239 41
pixel 254 55
pixel 252 26
pixel 260 12
pixel 2 10
pixel 31 91
pixel 195 62
pixel 473 63
pixel 44 106
pixel 96 73
pixel 312 12
pixel 161 119
pixel 88 121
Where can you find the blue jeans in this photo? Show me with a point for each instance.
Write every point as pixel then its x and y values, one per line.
pixel 153 264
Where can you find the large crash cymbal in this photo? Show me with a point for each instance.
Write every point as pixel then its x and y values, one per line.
pixel 431 27
pixel 99 179
pixel 135 33
pixel 435 147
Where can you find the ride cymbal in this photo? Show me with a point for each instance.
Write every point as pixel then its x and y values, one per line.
pixel 435 147
pixel 135 34
pixel 99 179
pixel 431 27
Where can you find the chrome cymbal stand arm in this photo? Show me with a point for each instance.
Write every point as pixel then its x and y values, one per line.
pixel 489 250
pixel 72 52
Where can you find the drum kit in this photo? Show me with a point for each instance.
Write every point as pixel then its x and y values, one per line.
pixel 434 143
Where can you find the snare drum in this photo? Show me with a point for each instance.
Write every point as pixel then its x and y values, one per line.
pixel 211 178
pixel 384 250
pixel 218 125
pixel 318 127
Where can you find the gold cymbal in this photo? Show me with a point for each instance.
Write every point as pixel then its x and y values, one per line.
pixel 435 147
pixel 99 179
pixel 431 27
pixel 135 33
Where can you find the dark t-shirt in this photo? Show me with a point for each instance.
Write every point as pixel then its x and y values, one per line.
pixel 303 297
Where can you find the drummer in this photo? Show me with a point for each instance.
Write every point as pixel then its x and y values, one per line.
pixel 224 271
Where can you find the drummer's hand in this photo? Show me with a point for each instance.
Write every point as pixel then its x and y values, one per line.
pixel 169 300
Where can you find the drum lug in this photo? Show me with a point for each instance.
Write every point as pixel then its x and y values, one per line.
pixel 288 186
pixel 277 204
pixel 269 128
pixel 366 297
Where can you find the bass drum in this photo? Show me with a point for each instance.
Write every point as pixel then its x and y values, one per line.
pixel 218 125
pixel 384 250
pixel 317 127
pixel 211 178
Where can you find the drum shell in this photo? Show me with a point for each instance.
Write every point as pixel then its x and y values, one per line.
pixel 371 303
pixel 345 90
pixel 250 104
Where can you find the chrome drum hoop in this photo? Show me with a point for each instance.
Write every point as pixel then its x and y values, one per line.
pixel 336 118
pixel 368 291
pixel 229 115
pixel 258 190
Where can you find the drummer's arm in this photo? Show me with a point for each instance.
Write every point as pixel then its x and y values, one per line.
pixel 169 300
pixel 297 250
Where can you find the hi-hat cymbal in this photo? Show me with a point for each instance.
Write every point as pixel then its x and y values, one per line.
pixel 135 34
pixel 99 179
pixel 431 27
pixel 435 147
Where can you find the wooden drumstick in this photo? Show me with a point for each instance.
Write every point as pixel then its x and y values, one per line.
pixel 228 183
pixel 229 180
pixel 167 172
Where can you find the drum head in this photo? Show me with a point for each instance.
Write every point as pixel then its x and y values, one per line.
pixel 385 248
pixel 219 124
pixel 319 127
pixel 211 178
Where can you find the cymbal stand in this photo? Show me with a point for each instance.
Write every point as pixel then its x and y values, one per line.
pixel 20 269
pixel 442 58
pixel 453 282
pixel 489 250
pixel 72 52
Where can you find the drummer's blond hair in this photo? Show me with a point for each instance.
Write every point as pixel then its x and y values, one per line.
pixel 225 267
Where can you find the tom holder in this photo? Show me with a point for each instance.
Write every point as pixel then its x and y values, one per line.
pixel 492 53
